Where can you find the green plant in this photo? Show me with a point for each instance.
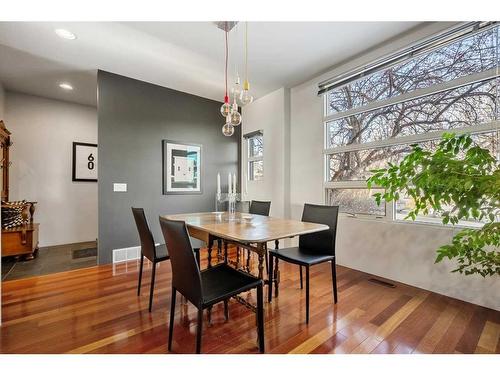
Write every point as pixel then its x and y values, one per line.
pixel 461 181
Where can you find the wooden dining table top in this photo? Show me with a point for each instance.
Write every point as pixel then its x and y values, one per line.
pixel 246 228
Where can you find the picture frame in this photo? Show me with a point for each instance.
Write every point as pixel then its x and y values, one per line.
pixel 182 171
pixel 84 165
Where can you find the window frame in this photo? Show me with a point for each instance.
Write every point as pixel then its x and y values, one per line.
pixel 390 208
pixel 251 159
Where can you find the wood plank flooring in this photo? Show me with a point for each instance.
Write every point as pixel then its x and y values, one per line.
pixel 96 310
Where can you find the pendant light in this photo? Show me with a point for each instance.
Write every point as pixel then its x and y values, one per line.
pixel 235 116
pixel 245 96
pixel 226 108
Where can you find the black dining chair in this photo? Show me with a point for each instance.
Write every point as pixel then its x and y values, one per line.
pixel 204 288
pixel 155 253
pixel 258 208
pixel 314 248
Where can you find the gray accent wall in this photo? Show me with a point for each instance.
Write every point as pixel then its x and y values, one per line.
pixel 133 119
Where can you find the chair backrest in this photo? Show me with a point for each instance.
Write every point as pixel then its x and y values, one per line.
pixel 260 208
pixel 147 240
pixel 243 206
pixel 320 242
pixel 185 271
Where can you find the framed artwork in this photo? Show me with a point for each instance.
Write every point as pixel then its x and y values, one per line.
pixel 181 168
pixel 84 161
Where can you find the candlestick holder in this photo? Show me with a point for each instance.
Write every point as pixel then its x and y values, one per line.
pixel 226 202
pixel 231 205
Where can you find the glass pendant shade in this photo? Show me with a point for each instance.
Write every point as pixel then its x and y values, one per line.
pixel 245 97
pixel 228 129
pixel 225 109
pixel 235 118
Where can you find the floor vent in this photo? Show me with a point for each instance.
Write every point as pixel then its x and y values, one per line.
pixel 381 282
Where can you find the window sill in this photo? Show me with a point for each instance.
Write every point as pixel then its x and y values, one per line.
pixel 386 220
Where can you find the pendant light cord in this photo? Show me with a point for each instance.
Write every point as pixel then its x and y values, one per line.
pixel 226 98
pixel 246 50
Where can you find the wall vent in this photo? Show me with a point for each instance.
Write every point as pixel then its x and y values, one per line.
pixel 126 254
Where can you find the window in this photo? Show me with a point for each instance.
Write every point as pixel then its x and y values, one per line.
pixel 255 146
pixel 373 119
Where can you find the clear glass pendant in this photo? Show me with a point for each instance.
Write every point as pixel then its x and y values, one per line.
pixel 228 129
pixel 225 109
pixel 235 118
pixel 245 97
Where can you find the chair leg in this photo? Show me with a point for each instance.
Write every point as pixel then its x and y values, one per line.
pixel 226 309
pixel 140 276
pixel 172 315
pixel 199 330
pixel 260 318
pixel 151 290
pixel 270 279
pixel 301 281
pixel 334 280
pixel 276 278
pixel 307 294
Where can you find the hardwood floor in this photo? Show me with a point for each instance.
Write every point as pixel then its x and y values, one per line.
pixel 96 310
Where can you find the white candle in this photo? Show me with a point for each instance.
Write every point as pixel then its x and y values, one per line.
pixel 229 183
pixel 218 183
pixel 234 183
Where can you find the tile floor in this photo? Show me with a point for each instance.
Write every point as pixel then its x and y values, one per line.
pixel 50 260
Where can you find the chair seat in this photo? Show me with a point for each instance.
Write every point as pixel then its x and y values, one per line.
pixel 300 256
pixel 222 282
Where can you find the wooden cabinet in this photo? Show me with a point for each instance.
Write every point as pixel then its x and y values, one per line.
pixel 21 240
pixel 5 143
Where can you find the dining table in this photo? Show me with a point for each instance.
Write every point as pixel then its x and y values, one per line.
pixel 243 230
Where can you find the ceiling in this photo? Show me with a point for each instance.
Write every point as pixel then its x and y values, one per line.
pixel 186 56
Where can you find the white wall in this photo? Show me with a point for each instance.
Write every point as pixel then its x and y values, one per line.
pixel 268 113
pixel 2 101
pixel 403 252
pixel 42 132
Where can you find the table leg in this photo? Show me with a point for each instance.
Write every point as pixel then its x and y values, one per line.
pixel 219 250
pixel 261 260
pixel 210 245
pixel 276 271
pixel 225 252
pixel 248 261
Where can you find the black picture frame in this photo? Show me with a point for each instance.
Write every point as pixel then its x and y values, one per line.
pixel 165 169
pixel 73 173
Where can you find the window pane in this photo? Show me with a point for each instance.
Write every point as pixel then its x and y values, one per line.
pixel 355 201
pixel 256 146
pixel 256 170
pixel 461 107
pixel 459 59
pixel 356 165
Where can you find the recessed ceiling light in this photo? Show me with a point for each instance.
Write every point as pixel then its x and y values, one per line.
pixel 65 86
pixel 65 34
